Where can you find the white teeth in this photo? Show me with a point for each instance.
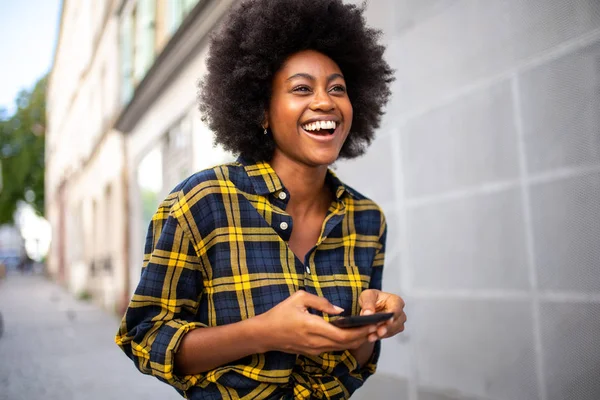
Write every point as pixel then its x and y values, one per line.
pixel 317 126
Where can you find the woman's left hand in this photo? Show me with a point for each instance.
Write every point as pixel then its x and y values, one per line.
pixel 375 301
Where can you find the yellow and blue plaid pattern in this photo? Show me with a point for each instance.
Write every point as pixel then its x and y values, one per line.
pixel 216 253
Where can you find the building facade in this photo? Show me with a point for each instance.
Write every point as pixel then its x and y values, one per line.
pixel 489 172
pixel 487 166
pixel 122 131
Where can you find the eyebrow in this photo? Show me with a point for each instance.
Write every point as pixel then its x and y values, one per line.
pixel 312 78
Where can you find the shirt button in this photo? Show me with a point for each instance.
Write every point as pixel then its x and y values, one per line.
pixel 282 195
pixel 307 269
pixel 283 225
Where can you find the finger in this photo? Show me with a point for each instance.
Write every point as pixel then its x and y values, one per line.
pixel 309 300
pixel 382 331
pixel 368 301
pixel 392 303
pixel 401 321
pixel 397 326
pixel 319 344
pixel 345 336
pixel 398 306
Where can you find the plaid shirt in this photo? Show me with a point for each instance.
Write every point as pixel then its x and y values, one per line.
pixel 216 254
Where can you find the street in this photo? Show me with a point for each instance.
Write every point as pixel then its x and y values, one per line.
pixel 55 347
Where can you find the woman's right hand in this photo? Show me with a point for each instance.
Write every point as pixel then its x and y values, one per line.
pixel 290 328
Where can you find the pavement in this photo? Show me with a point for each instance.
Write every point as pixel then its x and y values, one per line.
pixel 55 347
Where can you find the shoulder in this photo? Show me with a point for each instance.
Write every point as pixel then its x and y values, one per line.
pixel 217 180
pixel 359 200
pixel 365 210
pixel 221 174
pixel 205 187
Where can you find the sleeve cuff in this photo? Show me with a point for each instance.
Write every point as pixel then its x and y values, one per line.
pixel 352 375
pixel 371 366
pixel 163 350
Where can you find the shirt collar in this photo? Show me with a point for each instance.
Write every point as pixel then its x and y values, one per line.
pixel 263 177
pixel 265 180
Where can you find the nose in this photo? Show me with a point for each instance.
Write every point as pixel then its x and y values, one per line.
pixel 322 101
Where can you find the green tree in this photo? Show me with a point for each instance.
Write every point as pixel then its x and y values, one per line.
pixel 22 142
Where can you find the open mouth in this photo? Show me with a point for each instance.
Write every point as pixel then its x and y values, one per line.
pixel 323 128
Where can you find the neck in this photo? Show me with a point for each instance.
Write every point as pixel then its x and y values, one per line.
pixel 306 184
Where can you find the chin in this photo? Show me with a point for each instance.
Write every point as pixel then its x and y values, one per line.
pixel 321 159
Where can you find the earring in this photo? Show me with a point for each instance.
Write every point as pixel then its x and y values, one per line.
pixel 265 131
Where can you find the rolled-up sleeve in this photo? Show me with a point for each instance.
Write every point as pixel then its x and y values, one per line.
pixel 163 308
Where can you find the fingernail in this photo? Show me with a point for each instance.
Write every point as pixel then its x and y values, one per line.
pixel 384 331
pixel 372 338
pixel 338 309
pixel 367 312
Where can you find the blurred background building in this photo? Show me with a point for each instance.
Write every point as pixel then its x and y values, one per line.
pixel 487 165
pixel 122 131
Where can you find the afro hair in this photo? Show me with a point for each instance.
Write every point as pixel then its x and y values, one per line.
pixel 252 44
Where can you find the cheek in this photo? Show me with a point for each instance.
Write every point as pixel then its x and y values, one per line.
pixel 285 114
pixel 348 114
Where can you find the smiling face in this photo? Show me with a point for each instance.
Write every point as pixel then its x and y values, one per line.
pixel 310 114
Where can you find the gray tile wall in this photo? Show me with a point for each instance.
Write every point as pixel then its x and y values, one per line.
pixel 488 166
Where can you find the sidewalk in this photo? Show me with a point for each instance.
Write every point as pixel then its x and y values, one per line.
pixel 57 348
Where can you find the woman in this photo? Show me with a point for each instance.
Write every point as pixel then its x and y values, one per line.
pixel 246 263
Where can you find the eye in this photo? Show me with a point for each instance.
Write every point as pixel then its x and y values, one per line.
pixel 301 89
pixel 338 89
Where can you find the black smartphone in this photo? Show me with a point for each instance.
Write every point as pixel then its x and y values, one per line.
pixel 361 320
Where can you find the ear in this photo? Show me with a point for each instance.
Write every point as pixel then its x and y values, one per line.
pixel 265 121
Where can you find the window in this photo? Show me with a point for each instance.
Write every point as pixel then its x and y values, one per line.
pixel 188 5
pixel 146 26
pixel 126 58
pixel 174 13
pixel 150 186
pixel 145 15
pixel 137 34
pixel 177 152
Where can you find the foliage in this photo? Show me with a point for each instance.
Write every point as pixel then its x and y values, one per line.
pixel 22 143
pixel 84 295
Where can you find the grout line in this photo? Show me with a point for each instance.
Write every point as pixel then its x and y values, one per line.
pixel 529 239
pixel 554 53
pixel 505 295
pixel 486 188
pixel 472 294
pixel 499 186
pixel 405 271
pixel 563 173
pixel 570 297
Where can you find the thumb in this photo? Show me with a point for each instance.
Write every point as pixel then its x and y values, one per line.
pixel 368 302
pixel 309 300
